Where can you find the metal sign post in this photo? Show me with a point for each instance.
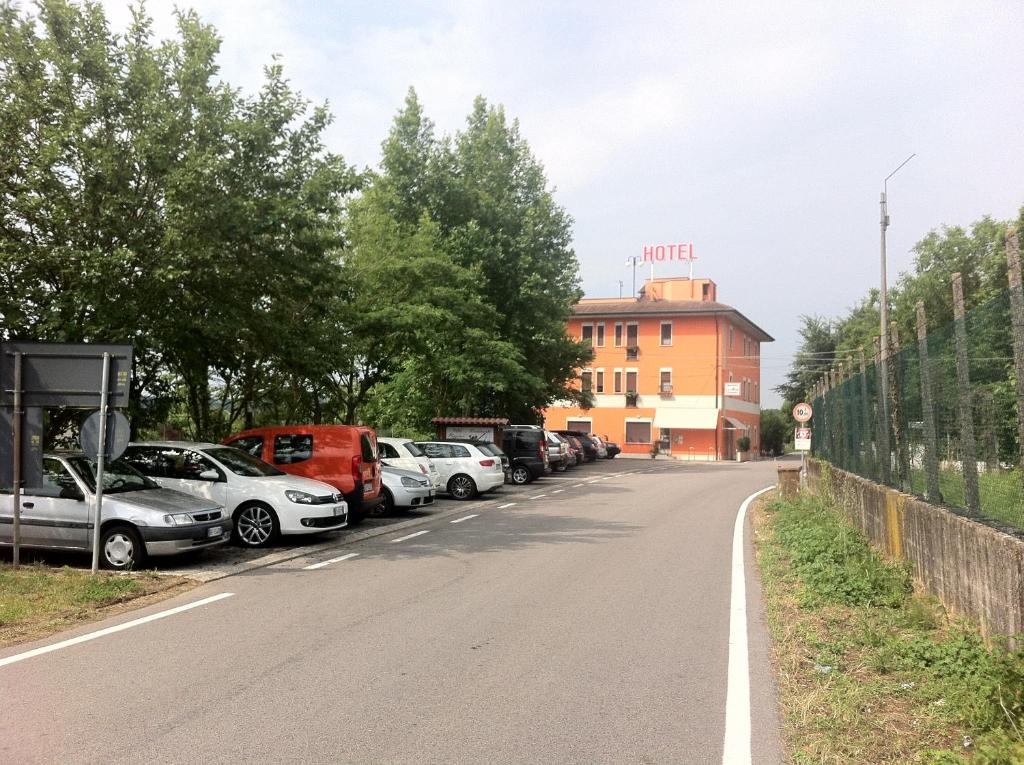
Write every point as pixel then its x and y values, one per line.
pixel 100 460
pixel 16 489
pixel 802 413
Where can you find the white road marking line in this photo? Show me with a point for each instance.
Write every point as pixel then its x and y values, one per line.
pixel 323 563
pixel 737 700
pixel 537 496
pixel 509 504
pixel 594 481
pixel 465 518
pixel 576 485
pixel 607 477
pixel 410 536
pixel 558 491
pixel 111 630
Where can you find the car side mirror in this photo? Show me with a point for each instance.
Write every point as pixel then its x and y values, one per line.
pixel 209 475
pixel 71 492
pixel 384 463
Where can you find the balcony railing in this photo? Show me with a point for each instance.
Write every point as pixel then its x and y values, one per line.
pixel 632 353
pixel 666 390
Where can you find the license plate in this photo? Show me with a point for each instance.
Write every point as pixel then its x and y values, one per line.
pixel 430 493
pixel 339 509
pixel 214 531
pixel 367 487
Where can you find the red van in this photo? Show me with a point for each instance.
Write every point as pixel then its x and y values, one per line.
pixel 344 456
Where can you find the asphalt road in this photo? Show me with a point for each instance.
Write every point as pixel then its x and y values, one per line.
pixel 588 622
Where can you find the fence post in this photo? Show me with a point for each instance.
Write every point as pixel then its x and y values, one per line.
pixel 896 412
pixel 968 450
pixel 1017 320
pixel 849 421
pixel 865 410
pixel 882 426
pixel 931 446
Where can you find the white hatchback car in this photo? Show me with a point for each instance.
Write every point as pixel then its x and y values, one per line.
pixel 403 453
pixel 262 501
pixel 465 470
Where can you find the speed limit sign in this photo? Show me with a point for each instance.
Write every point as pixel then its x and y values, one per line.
pixel 802 412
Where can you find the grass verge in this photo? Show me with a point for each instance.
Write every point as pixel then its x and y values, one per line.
pixel 869 671
pixel 36 600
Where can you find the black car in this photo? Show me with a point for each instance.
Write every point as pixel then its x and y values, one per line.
pixel 589 447
pixel 527 452
pixel 612 448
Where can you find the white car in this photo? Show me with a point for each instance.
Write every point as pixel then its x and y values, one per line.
pixel 404 489
pixel 403 453
pixel 262 501
pixel 465 470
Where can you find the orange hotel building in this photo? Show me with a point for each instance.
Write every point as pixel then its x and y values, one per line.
pixel 661 366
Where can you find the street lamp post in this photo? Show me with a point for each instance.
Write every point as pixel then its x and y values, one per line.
pixel 884 297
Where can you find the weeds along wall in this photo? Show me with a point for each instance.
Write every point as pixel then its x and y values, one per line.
pixel 975 570
pixel 940 417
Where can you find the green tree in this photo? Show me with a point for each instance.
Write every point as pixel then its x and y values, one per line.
pixel 774 429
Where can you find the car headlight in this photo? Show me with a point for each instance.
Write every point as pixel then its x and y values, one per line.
pixel 411 482
pixel 179 519
pixel 301 497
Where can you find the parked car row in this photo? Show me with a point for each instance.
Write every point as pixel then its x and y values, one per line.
pixel 170 497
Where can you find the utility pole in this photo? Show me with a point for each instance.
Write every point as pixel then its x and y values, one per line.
pixel 620 288
pixel 884 297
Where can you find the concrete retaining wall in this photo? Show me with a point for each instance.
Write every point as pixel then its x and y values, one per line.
pixel 976 571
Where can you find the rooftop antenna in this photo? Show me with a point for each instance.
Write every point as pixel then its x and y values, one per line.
pixel 620 288
pixel 633 260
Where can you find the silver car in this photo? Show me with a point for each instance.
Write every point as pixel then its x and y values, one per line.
pixel 140 519
pixel 404 489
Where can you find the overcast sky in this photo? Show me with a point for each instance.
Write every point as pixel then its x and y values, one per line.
pixel 761 132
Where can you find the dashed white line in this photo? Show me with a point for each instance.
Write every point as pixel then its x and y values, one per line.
pixel 410 536
pixel 594 481
pixel 556 491
pixel 737 698
pixel 607 477
pixel 323 563
pixel 111 630
pixel 507 504
pixel 537 496
pixel 465 518
pixel 576 485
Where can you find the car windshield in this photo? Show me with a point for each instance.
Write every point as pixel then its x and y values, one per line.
pixel 118 476
pixel 414 450
pixel 241 463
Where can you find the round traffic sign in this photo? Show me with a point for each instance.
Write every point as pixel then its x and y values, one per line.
pixel 802 412
pixel 118 432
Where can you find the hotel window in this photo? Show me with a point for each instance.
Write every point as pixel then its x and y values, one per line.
pixel 666 381
pixel 600 381
pixel 600 335
pixel 588 333
pixel 631 382
pixel 638 432
pixel 730 338
pixel 632 336
pixel 756 398
pixel 666 333
pixel 618 334
pixel 578 426
pixel 618 381
pixel 586 378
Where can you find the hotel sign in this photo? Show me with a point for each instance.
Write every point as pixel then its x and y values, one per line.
pixel 659 253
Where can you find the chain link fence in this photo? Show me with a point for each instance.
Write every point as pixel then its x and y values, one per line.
pixel 941 416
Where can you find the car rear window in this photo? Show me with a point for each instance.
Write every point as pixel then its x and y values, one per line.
pixel 369 453
pixel 414 450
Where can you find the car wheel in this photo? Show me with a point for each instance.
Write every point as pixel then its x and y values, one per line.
pixel 255 525
pixel 563 466
pixel 121 548
pixel 462 487
pixel 521 475
pixel 387 507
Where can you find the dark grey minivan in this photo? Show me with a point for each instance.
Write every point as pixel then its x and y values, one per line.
pixel 140 518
